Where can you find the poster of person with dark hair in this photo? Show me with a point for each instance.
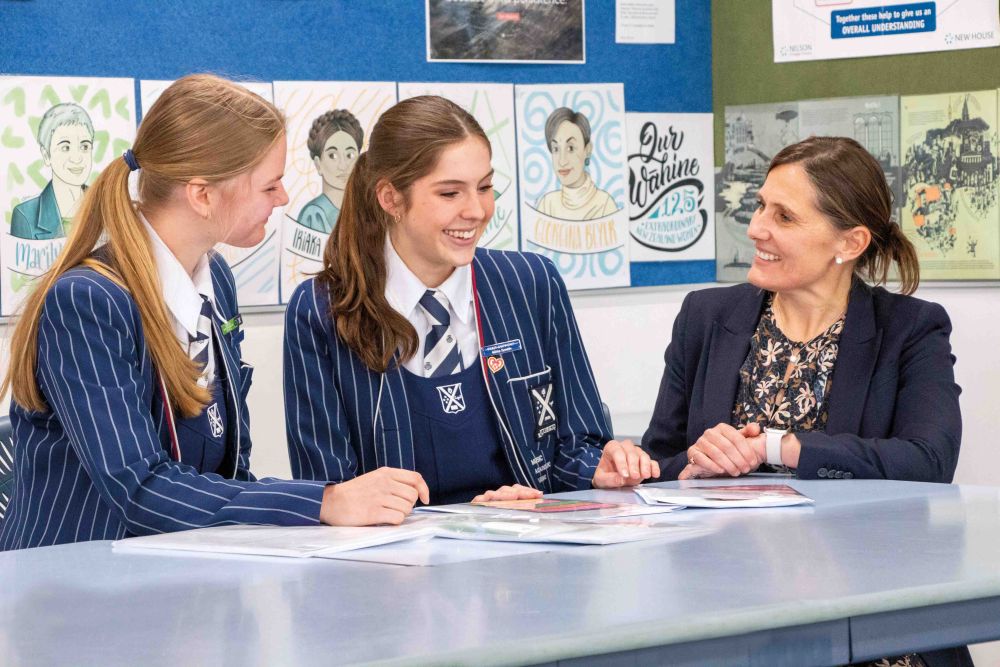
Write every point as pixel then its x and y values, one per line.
pixel 573 170
pixel 328 124
pixel 506 31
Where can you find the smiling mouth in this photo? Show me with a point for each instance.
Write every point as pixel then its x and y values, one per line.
pixel 75 170
pixel 459 234
pixel 766 256
pixel 564 172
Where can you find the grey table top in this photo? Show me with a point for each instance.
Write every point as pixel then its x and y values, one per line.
pixel 865 547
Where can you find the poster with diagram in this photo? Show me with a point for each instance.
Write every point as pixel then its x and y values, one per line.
pixel 573 178
pixel 492 105
pixel 255 269
pixel 328 125
pixel 754 134
pixel 671 197
pixel 59 132
pixel 950 184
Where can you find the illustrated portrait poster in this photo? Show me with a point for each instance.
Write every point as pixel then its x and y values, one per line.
pixel 506 31
pixel 671 186
pixel 255 269
pixel 492 105
pixel 573 178
pixel 59 132
pixel 328 127
pixel 754 134
pixel 950 184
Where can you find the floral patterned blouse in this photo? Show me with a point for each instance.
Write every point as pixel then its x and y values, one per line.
pixel 783 383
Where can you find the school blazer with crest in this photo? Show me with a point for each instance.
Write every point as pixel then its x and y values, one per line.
pixel 893 409
pixel 335 431
pixel 98 466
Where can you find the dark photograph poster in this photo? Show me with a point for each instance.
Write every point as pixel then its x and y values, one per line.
pixel 503 31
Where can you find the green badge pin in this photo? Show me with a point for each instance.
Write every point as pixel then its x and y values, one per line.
pixel 232 325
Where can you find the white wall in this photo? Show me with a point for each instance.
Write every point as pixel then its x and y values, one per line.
pixel 626 332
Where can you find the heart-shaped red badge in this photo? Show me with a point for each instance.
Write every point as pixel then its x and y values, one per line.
pixel 495 364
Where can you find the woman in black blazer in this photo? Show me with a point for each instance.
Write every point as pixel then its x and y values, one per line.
pixel 809 368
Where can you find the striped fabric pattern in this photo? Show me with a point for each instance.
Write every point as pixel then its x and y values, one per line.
pixel 97 465
pixel 335 432
pixel 199 345
pixel 441 354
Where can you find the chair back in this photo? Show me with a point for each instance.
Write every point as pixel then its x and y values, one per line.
pixel 607 416
pixel 6 464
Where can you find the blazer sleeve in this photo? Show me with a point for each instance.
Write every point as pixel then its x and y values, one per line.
pixel 319 442
pixel 89 368
pixel 666 437
pixel 923 442
pixel 582 429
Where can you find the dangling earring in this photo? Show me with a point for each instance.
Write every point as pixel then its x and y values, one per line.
pixel 586 162
pixel 839 259
pixel 396 219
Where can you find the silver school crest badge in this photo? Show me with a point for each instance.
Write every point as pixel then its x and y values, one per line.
pixel 545 413
pixel 215 420
pixel 452 400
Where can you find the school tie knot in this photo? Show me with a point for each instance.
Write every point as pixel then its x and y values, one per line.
pixel 441 354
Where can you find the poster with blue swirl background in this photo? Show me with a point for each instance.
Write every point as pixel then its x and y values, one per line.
pixel 573 180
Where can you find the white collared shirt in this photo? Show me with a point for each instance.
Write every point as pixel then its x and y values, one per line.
pixel 403 291
pixel 182 293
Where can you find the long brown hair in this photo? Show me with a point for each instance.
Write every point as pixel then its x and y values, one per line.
pixel 404 146
pixel 202 126
pixel 851 190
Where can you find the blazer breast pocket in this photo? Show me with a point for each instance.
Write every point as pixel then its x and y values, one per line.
pixel 538 391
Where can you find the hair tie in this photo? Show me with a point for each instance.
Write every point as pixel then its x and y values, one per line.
pixel 130 160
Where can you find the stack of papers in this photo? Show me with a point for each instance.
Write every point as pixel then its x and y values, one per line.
pixel 725 496
pixel 560 509
pixel 329 541
pixel 295 542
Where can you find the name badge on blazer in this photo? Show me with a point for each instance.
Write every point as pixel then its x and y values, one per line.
pixel 496 349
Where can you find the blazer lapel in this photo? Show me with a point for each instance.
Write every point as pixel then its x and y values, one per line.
pixel 230 394
pixel 501 391
pixel 728 348
pixel 859 347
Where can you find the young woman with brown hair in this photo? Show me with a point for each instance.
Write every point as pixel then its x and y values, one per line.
pixel 129 410
pixel 415 349
pixel 809 367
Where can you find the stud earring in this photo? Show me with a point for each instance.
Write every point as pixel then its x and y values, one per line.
pixel 839 259
pixel 586 162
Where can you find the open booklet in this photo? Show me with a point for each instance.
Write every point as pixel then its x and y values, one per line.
pixel 327 541
pixel 725 496
pixel 561 509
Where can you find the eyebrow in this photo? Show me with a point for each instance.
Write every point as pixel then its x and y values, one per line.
pixel 456 181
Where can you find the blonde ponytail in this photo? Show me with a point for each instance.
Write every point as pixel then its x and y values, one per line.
pixel 202 126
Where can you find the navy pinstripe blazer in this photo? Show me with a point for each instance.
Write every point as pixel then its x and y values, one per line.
pixel 893 408
pixel 97 465
pixel 330 395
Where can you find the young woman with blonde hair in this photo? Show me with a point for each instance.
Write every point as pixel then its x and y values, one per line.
pixel 129 410
pixel 415 349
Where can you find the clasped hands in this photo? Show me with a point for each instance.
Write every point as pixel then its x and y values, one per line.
pixel 725 450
